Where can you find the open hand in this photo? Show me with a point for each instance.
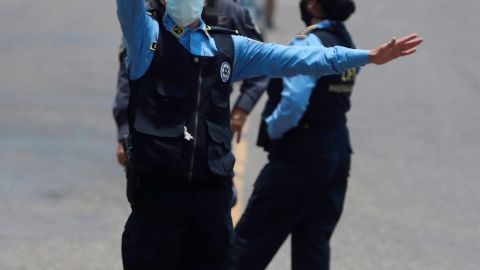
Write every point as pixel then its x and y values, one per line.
pixel 394 49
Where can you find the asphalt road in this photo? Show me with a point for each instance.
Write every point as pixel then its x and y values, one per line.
pixel 414 195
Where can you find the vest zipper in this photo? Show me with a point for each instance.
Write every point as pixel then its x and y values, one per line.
pixel 192 159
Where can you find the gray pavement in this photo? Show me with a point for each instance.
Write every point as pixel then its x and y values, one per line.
pixel 414 195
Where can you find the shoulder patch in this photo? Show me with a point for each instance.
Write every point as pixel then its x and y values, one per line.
pixel 177 31
pixel 304 33
pixel 153 46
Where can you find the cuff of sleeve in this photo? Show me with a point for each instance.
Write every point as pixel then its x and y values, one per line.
pixel 245 103
pixel 360 58
pixel 272 132
pixel 122 131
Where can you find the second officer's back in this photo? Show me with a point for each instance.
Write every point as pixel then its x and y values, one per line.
pixel 309 161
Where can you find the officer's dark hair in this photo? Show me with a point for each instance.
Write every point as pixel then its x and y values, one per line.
pixel 335 10
pixel 338 10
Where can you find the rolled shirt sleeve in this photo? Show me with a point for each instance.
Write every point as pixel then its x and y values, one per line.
pixel 120 104
pixel 295 96
pixel 251 91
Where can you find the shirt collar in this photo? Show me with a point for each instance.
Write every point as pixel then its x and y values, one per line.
pixel 179 31
pixel 326 24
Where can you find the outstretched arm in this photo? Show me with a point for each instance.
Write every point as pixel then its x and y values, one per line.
pixel 254 58
pixel 297 89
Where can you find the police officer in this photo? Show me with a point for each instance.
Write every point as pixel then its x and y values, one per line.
pixel 225 13
pixel 302 188
pixel 180 162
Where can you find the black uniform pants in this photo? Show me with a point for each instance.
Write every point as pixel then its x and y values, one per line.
pixel 178 225
pixel 301 197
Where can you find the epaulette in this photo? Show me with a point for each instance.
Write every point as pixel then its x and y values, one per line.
pixel 221 30
pixel 155 13
pixel 304 33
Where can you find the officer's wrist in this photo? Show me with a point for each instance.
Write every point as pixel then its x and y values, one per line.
pixel 238 112
pixel 245 104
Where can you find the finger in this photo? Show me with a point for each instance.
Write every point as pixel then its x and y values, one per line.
pixel 120 160
pixel 408 52
pixel 407 38
pixel 233 128
pixel 392 43
pixel 239 135
pixel 412 43
pixel 410 46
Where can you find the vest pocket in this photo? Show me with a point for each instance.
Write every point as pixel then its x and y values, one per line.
pixel 220 157
pixel 166 126
pixel 220 97
pixel 158 143
pixel 170 90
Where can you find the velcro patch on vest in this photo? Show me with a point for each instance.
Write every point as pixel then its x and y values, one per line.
pixel 340 88
pixel 154 45
pixel 349 75
pixel 225 71
pixel 177 31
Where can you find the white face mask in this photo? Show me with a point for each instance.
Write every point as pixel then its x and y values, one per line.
pixel 184 12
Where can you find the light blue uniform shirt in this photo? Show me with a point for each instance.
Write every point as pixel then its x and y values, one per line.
pixel 252 58
pixel 296 92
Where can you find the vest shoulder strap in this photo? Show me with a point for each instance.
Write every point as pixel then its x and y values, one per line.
pixel 223 41
pixel 327 36
pixel 221 30
pixel 157 47
pixel 155 9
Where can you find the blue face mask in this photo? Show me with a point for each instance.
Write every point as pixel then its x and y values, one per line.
pixel 184 12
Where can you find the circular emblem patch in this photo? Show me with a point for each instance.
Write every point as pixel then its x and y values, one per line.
pixel 225 71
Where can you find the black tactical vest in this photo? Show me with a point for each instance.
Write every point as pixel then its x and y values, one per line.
pixel 179 112
pixel 330 99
